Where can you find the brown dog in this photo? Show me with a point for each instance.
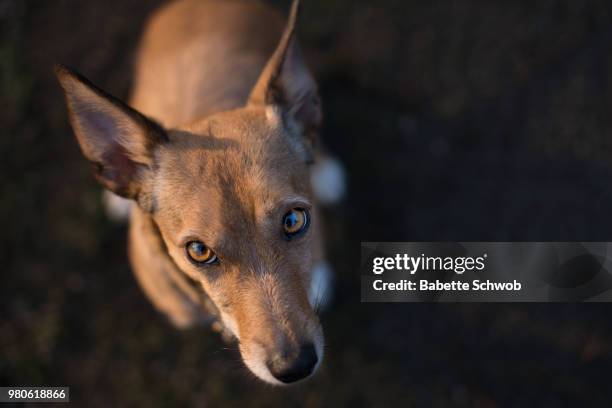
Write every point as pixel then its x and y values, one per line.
pixel 225 213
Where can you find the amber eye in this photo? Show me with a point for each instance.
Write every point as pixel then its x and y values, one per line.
pixel 200 253
pixel 295 222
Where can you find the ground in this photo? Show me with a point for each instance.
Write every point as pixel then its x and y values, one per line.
pixel 455 120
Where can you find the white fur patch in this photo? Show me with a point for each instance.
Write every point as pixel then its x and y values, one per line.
pixel 321 286
pixel 328 180
pixel 273 115
pixel 230 324
pixel 255 361
pixel 117 208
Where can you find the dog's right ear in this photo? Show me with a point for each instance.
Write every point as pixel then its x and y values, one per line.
pixel 117 139
pixel 286 82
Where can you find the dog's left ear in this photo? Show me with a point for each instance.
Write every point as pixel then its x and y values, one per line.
pixel 287 83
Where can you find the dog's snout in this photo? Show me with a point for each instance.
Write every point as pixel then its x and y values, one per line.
pixel 288 369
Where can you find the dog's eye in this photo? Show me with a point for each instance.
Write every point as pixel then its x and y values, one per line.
pixel 295 222
pixel 200 253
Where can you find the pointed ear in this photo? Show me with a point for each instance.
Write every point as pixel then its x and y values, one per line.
pixel 116 138
pixel 287 83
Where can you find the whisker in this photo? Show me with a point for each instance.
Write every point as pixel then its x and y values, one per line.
pixel 318 298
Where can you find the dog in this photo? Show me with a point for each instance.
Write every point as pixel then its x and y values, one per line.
pixel 218 151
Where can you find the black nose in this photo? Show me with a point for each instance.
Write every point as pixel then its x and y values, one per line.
pixel 296 367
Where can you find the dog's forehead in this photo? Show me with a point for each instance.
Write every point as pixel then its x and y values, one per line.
pixel 242 143
pixel 243 149
pixel 246 125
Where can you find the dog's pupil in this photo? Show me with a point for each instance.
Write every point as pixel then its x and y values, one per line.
pixel 198 248
pixel 291 220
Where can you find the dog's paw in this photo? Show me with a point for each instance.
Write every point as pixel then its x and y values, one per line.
pixel 117 208
pixel 321 286
pixel 328 180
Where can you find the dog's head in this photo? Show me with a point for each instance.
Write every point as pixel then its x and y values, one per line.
pixel 232 199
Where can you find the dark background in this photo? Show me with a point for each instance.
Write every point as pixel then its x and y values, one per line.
pixel 480 120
